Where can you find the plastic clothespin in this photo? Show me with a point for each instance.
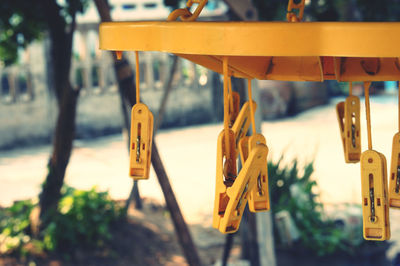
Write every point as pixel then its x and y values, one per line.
pixel 229 218
pixel 374 186
pixel 141 141
pixel 348 114
pixel 394 183
pixel 141 135
pixel 242 122
pixel 221 198
pixel 374 196
pixel 259 195
pixel 221 183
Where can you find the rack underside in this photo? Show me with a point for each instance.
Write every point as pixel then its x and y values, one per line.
pixel 306 51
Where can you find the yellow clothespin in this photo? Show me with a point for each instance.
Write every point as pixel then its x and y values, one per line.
pixel 348 114
pixel 141 141
pixel 221 183
pixel 141 135
pixel 259 195
pixel 394 183
pixel 374 187
pixel 374 193
pixel 226 156
pixel 232 192
pixel 237 194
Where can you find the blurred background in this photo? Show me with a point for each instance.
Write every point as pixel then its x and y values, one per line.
pixel 65 194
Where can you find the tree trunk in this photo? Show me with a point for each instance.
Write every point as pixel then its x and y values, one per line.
pixel 123 70
pixel 60 34
pixel 62 147
pixel 126 89
pixel 181 229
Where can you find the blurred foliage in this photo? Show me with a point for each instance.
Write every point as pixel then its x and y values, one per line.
pixel 22 22
pixel 271 10
pixel 294 190
pixel 14 227
pixel 83 220
pixel 354 10
pixel 326 10
pixel 333 10
pixel 173 3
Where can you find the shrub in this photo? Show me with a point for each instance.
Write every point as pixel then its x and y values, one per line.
pixel 294 190
pixel 83 220
pixel 14 227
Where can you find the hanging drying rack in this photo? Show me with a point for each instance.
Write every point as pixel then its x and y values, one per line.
pixel 304 51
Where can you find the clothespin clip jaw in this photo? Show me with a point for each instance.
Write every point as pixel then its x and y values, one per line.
pixel 394 183
pixel 233 114
pixel 340 117
pixel 238 193
pixel 374 196
pixel 242 123
pixel 141 141
pixel 348 114
pixel 230 164
pixel 244 149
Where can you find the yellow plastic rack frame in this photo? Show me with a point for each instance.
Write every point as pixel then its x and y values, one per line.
pixel 306 51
